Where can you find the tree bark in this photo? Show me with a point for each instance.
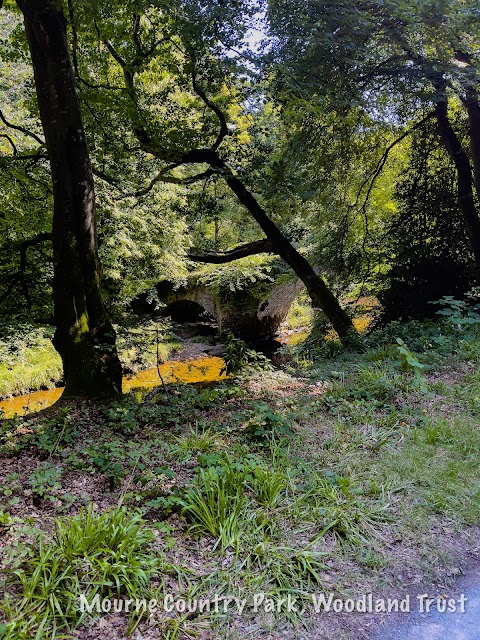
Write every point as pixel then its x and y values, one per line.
pixel 84 335
pixel 466 200
pixel 317 289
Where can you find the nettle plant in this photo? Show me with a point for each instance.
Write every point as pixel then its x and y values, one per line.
pixel 264 424
pixel 408 360
pixel 410 363
pixel 238 355
pixel 45 482
pixel 461 313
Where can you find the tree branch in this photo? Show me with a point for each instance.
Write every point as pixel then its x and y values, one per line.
pixel 19 276
pixel 223 132
pixel 16 127
pixel 116 56
pixel 71 16
pixel 12 143
pixel 222 257
pixel 372 177
pixel 173 180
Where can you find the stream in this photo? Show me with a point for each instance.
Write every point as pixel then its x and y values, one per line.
pixel 203 369
pixel 199 363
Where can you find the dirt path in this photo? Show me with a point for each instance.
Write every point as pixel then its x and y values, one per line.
pixel 441 626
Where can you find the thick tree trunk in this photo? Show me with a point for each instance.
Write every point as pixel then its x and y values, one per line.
pixel 466 200
pixel 84 335
pixel 317 289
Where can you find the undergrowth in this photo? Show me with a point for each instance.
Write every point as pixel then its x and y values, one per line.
pixel 273 482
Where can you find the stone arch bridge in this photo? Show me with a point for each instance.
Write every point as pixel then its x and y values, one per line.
pixel 253 313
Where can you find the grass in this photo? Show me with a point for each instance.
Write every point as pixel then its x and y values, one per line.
pixel 348 474
pixel 268 486
pixel 195 441
pixel 89 554
pixel 341 509
pixel 216 506
pixel 29 361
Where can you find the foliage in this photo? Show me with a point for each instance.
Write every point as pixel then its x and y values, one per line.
pixel 44 481
pixel 197 441
pixel 238 275
pixel 237 355
pixel 462 314
pixel 28 360
pixel 264 425
pixel 89 554
pixel 426 237
pixel 217 506
pixel 409 362
pixel 353 172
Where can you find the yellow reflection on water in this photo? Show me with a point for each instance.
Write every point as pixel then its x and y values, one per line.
pixel 187 372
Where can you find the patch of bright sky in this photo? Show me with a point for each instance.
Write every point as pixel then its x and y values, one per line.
pixel 256 36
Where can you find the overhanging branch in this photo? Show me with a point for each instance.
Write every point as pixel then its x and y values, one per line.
pixel 223 131
pixel 222 257
pixel 23 130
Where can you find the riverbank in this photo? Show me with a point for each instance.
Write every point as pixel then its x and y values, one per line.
pixel 29 361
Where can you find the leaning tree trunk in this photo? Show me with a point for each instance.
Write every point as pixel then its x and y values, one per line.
pixel 472 103
pixel 84 335
pixel 317 289
pixel 465 180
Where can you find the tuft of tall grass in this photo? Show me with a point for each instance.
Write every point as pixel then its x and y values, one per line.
pixel 216 506
pixel 196 441
pixel 341 509
pixel 268 486
pixel 105 554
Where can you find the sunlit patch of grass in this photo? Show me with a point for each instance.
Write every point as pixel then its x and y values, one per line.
pixel 195 441
pixel 362 323
pixel 442 462
pixel 28 364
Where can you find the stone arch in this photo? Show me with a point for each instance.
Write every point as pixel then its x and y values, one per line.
pixel 201 296
pixel 186 310
pixel 254 313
